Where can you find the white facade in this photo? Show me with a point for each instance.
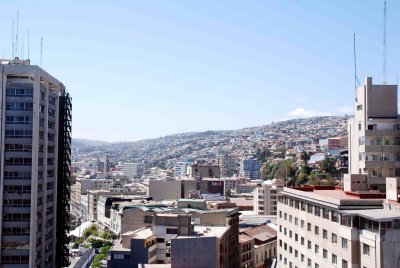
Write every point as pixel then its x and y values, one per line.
pixel 133 170
pixel 266 198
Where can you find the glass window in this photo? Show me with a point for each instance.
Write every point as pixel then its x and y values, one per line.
pixel 334 238
pixel 344 243
pixel 325 234
pixel 366 249
pixel 316 230
pixel 325 254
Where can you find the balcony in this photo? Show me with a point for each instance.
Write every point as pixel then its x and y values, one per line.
pixel 388 133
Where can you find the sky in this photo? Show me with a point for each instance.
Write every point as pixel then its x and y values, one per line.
pixel 145 69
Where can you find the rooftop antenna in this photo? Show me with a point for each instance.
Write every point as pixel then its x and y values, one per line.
pixel 12 40
pixel 356 82
pixel 384 43
pixel 16 37
pixel 41 52
pixel 28 46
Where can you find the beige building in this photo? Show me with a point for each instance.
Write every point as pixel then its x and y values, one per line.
pixel 374 137
pixel 326 227
pixel 266 197
pixel 204 171
pixel 171 189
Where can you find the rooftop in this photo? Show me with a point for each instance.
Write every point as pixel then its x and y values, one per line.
pixel 375 214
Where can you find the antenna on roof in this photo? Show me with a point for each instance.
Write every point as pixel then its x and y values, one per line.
pixel 384 43
pixel 356 82
pixel 16 37
pixel 12 40
pixel 28 45
pixel 41 52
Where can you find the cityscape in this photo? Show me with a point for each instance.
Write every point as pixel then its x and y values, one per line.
pixel 224 182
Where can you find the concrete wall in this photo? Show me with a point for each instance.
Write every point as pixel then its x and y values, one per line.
pixel 165 190
pixel 194 252
pixel 392 190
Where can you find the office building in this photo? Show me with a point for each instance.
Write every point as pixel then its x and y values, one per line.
pixel 374 138
pixel 266 197
pixel 250 168
pixel 327 227
pixel 133 170
pixel 227 165
pixel 198 171
pixel 35 142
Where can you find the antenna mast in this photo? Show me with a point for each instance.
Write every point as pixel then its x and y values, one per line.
pixel 356 82
pixel 28 45
pixel 16 37
pixel 41 52
pixel 384 43
pixel 12 40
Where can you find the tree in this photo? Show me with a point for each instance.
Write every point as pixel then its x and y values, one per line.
pixel 328 165
pixel 305 156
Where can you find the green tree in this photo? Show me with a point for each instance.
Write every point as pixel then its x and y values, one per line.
pixel 328 165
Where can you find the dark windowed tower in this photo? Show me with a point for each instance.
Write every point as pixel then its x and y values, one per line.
pixel 35 138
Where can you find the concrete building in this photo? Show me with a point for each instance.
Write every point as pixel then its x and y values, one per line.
pixel 374 137
pixel 133 170
pixel 198 171
pixel 171 189
pixel 266 197
pixel 250 168
pixel 227 164
pixel 327 227
pixel 174 239
pixel 181 168
pixel 35 125
pixel 246 251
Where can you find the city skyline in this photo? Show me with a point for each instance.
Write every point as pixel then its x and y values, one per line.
pixel 181 67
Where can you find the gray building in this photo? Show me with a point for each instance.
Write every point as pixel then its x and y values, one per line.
pixel 250 168
pixel 35 124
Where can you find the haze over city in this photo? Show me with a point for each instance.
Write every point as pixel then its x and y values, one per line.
pixel 140 70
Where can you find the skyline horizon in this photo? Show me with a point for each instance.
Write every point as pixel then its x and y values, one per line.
pixel 137 71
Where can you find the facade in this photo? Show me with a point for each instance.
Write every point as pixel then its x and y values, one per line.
pixel 334 143
pixel 181 168
pixel 204 171
pixel 171 189
pixel 250 168
pixel 35 125
pixel 327 227
pixel 374 136
pixel 227 165
pixel 133 170
pixel 266 197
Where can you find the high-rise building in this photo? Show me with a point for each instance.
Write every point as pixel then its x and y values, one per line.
pixel 266 197
pixel 35 138
pixel 250 168
pixel 374 138
pixel 133 170
pixel 227 163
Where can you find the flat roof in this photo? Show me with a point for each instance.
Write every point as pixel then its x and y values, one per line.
pixel 332 197
pixel 375 214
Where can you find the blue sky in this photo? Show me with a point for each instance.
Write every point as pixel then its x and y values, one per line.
pixel 143 69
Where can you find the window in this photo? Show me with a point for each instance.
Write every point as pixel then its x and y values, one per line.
pixel 316 230
pixel 309 227
pixel 290 218
pixel 290 234
pixel 317 211
pixel 344 243
pixel 296 254
pixel 296 221
pixel 344 264
pixel 366 249
pixel 309 263
pixel 284 231
pixel 335 216
pixel 325 213
pixel 309 208
pixel 296 237
pixel 285 216
pixel 280 214
pixel 334 238
pixel 302 224
pixel 316 249
pixel 302 258
pixel 325 254
pixel 172 231
pixel 309 246
pixel 303 206
pixel 325 234
pixel 334 259
pixel 302 241
pixel 316 265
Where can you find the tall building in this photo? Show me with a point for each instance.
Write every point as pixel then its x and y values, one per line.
pixel 250 168
pixel 227 164
pixel 266 197
pixel 374 138
pixel 35 128
pixel 133 170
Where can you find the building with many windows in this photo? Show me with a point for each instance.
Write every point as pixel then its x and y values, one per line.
pixel 35 125
pixel 327 227
pixel 250 168
pixel 374 138
pixel 266 197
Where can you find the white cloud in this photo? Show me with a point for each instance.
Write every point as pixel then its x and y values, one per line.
pixel 345 109
pixel 300 99
pixel 301 112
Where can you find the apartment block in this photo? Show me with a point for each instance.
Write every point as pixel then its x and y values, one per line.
pixel 327 227
pixel 266 197
pixel 374 137
pixel 35 139
pixel 250 168
pixel 198 171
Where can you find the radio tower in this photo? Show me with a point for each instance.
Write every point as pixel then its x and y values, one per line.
pixel 384 43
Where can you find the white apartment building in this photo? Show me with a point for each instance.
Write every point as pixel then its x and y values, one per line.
pixel 266 197
pixel 133 170
pixel 326 227
pixel 374 137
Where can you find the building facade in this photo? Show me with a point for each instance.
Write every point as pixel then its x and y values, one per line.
pixel 374 135
pixel 266 198
pixel 35 125
pixel 250 168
